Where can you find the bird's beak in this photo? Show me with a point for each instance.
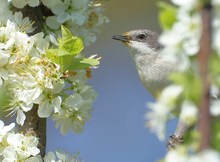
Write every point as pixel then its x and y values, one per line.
pixel 124 38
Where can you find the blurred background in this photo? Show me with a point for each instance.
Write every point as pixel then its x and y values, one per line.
pixel 116 132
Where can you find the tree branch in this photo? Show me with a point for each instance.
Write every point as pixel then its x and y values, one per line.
pixel 35 126
pixel 177 137
pixel 203 59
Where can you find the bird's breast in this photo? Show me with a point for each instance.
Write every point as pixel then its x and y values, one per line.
pixel 154 74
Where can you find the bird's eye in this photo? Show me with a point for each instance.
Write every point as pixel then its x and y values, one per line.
pixel 142 36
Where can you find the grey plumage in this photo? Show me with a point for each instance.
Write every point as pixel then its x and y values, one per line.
pixel 145 52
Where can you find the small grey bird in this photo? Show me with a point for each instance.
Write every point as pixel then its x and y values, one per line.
pixel 152 68
pixel 145 52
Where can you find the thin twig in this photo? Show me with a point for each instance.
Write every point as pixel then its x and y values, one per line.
pixel 177 137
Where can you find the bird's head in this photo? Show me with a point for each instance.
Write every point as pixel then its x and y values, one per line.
pixel 141 41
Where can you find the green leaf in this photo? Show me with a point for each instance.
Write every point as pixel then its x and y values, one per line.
pixel 69 47
pixel 52 55
pixel 191 84
pixel 66 33
pixel 68 62
pixel 90 61
pixel 81 63
pixel 57 52
pixel 70 43
pixel 215 127
pixel 55 55
pixel 73 45
pixel 214 70
pixel 167 15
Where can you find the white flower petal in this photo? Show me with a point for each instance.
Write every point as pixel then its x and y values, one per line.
pixel 4 73
pixel 57 104
pixel 3 58
pixel 174 156
pixel 59 8
pixel 8 128
pixel 15 140
pixel 52 22
pixel 50 157
pixel 189 112
pixel 33 3
pixel 215 107
pixel 20 117
pixel 63 17
pixel 9 154
pixel 33 151
pixel 19 3
pixel 45 109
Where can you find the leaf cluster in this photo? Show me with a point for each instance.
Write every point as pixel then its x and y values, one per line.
pixel 67 53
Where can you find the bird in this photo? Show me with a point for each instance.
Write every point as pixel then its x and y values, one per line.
pixel 145 50
pixel 153 68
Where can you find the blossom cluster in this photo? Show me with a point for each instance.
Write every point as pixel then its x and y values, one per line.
pixel 47 69
pixel 18 147
pixel 83 18
pixel 32 78
pixel 181 40
pixel 180 154
pixel 61 156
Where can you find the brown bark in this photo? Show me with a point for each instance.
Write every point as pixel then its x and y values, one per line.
pixel 203 58
pixel 35 126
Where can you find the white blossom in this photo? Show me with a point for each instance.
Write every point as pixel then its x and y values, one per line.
pixel 161 110
pixel 18 107
pixel 5 13
pixel 24 146
pixel 189 112
pixel 9 155
pixel 48 105
pixel 176 155
pixel 75 112
pixel 157 118
pixel 187 4
pixel 3 57
pixel 181 155
pixel 84 17
pixel 22 3
pixel 215 2
pixel 169 95
pixel 179 46
pixel 27 73
pixel 206 155
pixel 60 156
pixel 215 107
pixel 52 22
pixel 5 129
pixel 50 157
pixel 3 75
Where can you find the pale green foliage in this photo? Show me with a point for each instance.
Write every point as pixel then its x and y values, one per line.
pixel 181 23
pixel 66 55
pixel 167 15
